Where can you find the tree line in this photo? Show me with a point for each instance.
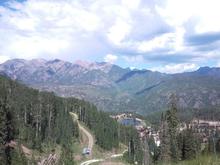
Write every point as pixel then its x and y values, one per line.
pixel 31 118
pixel 109 133
pixel 37 119
pixel 104 128
pixel 178 145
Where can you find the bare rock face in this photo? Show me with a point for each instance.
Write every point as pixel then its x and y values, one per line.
pixel 113 88
pixel 102 66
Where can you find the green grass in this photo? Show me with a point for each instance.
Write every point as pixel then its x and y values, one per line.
pixel 115 160
pixel 200 160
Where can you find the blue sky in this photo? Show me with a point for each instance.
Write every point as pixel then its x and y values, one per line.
pixel 169 36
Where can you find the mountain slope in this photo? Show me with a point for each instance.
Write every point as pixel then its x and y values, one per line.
pixel 113 88
pixel 32 122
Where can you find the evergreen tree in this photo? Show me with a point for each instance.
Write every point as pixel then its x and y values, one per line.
pixel 154 149
pixel 172 129
pixel 131 153
pixel 218 145
pixel 3 134
pixel 146 152
pixel 169 144
pixel 189 144
pixel 6 131
pixel 104 127
pixel 41 117
pixel 165 153
pixel 129 136
pixel 173 122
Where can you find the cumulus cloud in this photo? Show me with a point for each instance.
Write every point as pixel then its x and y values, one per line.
pixel 3 59
pixel 166 33
pixel 177 13
pixel 173 41
pixel 118 32
pixel 110 58
pixel 134 59
pixel 218 64
pixel 176 68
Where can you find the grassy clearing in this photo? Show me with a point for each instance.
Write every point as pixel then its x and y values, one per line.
pixel 203 160
pixel 116 161
pixel 200 160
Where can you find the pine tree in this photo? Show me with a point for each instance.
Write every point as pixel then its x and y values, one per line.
pixel 165 153
pixel 169 144
pixel 188 144
pixel 173 121
pixel 218 145
pixel 131 150
pixel 146 152
pixel 6 131
pixel 3 134
pixel 10 136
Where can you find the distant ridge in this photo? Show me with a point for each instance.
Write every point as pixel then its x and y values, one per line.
pixel 113 88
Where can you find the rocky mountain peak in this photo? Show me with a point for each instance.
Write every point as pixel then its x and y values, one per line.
pixel 102 66
pixel 111 87
pixel 84 64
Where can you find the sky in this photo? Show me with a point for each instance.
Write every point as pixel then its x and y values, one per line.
pixel 169 36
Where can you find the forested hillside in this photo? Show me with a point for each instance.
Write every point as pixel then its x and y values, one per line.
pixel 33 119
pixel 112 88
pixel 39 120
pixel 109 133
pixel 104 128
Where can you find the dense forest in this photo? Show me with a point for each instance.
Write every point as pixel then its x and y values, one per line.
pixel 109 133
pixel 188 144
pixel 33 119
pixel 104 128
pixel 130 137
pixel 39 120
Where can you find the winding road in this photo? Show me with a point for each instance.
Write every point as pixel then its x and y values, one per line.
pixel 92 161
pixel 91 143
pixel 88 162
pixel 85 131
pixel 89 136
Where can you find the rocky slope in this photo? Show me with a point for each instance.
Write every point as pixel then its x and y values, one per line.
pixel 113 88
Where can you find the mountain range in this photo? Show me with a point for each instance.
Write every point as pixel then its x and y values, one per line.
pixel 112 88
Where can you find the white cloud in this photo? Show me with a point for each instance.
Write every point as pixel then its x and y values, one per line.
pixel 131 4
pixel 42 28
pixel 176 12
pixel 156 43
pixel 218 64
pixel 205 12
pixel 110 58
pixel 88 30
pixel 118 32
pixel 39 28
pixel 134 59
pixel 3 59
pixel 31 47
pixel 132 67
pixel 173 41
pixel 176 68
